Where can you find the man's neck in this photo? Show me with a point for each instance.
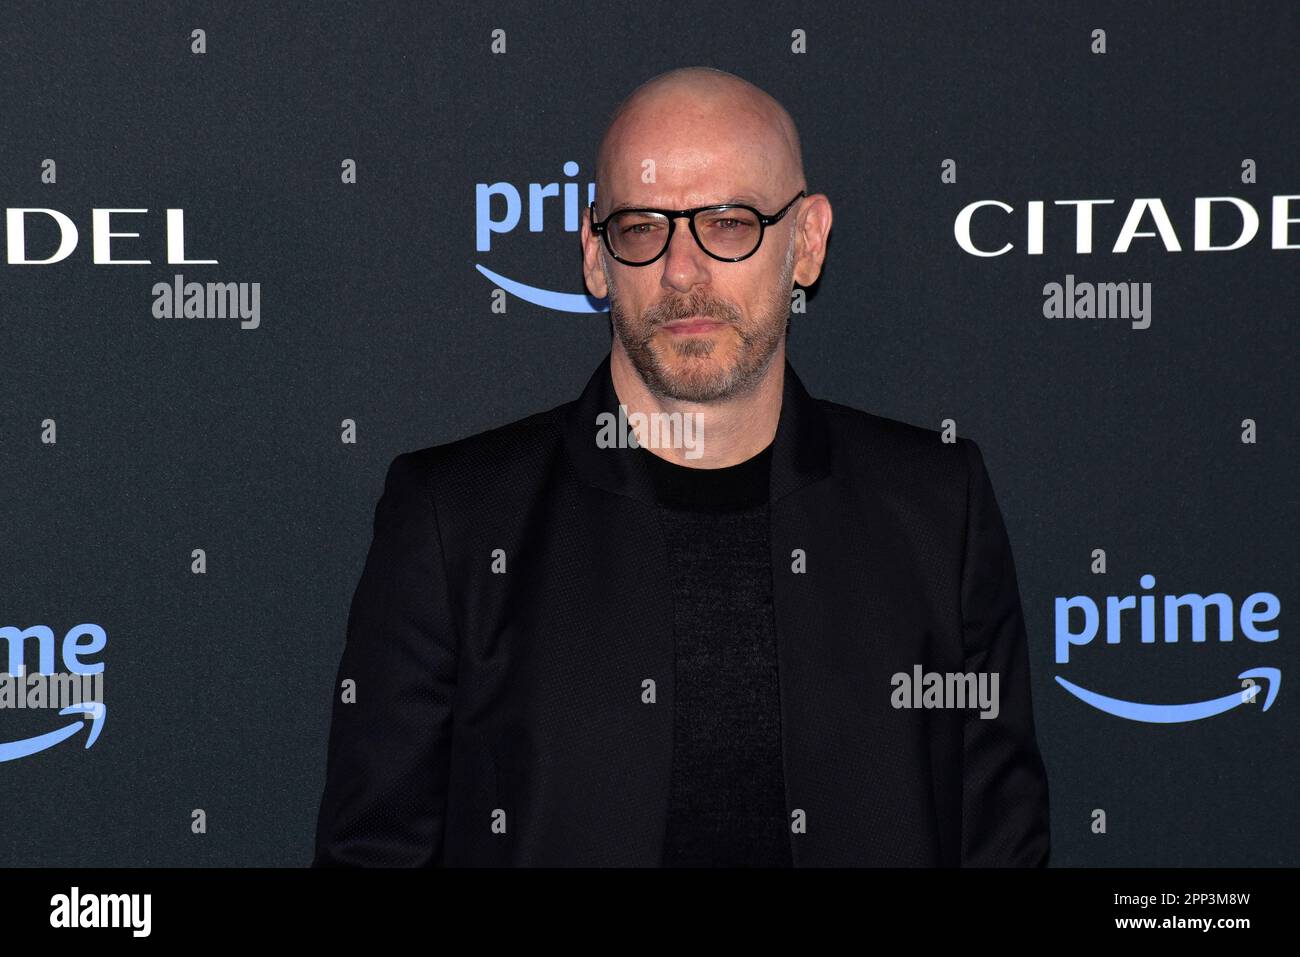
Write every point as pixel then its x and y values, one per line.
pixel 727 431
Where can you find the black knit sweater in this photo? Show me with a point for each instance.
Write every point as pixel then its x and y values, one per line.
pixel 727 806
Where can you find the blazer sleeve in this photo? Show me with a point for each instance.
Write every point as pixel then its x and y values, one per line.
pixel 389 752
pixel 1004 782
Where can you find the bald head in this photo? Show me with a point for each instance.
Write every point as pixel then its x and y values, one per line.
pixel 700 127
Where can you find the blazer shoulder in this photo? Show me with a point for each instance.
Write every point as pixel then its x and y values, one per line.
pixel 496 461
pixel 897 448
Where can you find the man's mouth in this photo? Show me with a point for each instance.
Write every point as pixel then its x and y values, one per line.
pixel 693 325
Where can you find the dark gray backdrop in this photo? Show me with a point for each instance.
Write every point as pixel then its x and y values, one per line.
pixel 183 434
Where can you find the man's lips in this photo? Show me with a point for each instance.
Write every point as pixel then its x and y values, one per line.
pixel 692 325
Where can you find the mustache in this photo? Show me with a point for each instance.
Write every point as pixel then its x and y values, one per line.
pixel 663 314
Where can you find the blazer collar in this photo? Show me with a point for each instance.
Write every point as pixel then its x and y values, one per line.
pixel 801 453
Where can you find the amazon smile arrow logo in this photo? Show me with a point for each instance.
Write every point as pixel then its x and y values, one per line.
pixel 559 301
pixel 11 750
pixel 1175 713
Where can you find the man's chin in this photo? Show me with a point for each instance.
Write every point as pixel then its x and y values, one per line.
pixel 696 368
pixel 693 379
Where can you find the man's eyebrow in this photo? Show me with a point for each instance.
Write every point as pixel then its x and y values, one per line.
pixel 745 198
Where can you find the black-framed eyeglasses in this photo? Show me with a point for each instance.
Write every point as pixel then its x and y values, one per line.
pixel 729 232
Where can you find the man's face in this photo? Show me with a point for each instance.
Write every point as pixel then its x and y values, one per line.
pixel 697 329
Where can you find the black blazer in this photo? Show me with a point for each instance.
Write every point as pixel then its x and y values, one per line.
pixel 499 716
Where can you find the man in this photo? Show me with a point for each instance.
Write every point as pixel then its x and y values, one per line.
pixel 580 639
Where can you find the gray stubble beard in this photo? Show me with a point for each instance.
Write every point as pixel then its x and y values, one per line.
pixel 758 346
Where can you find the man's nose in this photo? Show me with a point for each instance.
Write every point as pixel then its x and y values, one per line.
pixel 685 263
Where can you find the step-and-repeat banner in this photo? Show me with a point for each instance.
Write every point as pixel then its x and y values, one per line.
pixel 253 251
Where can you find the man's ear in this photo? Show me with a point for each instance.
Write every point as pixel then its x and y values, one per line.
pixel 591 253
pixel 813 227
